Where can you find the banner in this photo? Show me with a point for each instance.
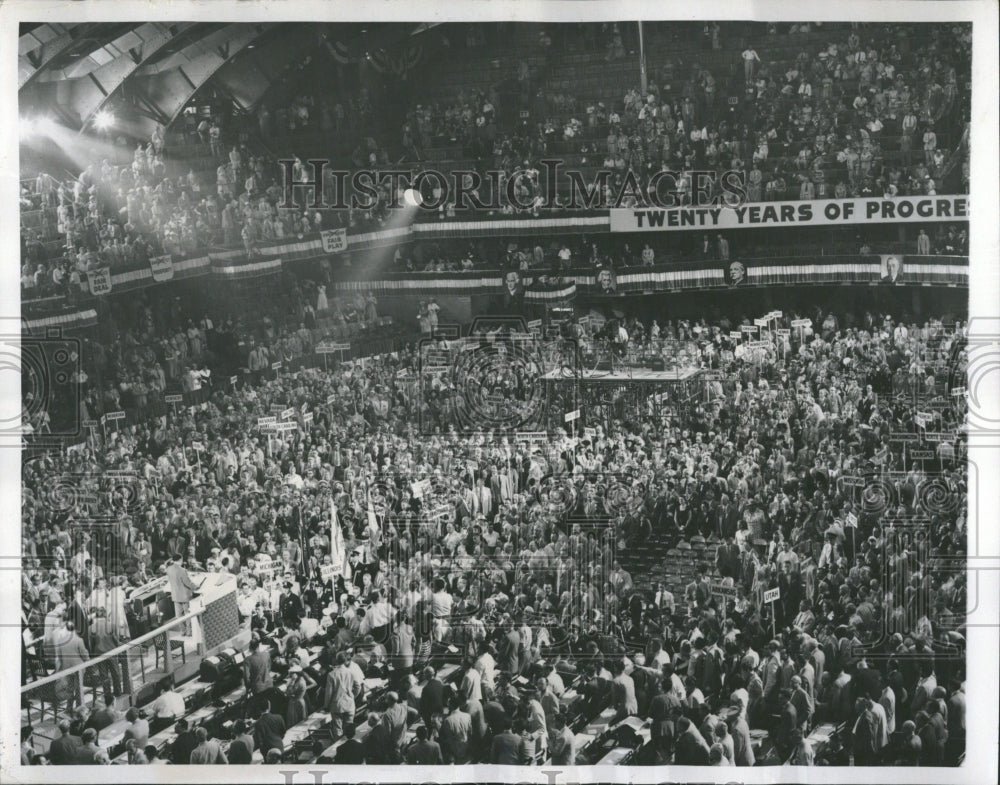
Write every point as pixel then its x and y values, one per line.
pixel 334 240
pixel 162 267
pixel 820 212
pixel 99 281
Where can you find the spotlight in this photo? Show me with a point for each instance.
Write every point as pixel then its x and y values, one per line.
pixel 411 198
pixel 103 120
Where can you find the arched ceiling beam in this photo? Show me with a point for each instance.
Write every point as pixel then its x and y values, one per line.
pixel 169 83
pixel 94 80
pixel 36 49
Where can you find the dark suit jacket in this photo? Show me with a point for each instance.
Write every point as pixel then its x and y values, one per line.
pixel 63 751
pixel 180 750
pixel 86 755
pixel 269 733
pixel 257 671
pixel 432 698
pixel 350 752
pixel 424 753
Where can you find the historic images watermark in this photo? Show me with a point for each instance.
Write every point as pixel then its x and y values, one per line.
pixel 316 185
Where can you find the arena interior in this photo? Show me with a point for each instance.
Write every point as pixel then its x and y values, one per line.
pixel 417 481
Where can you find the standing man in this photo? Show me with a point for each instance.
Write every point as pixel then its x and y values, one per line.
pixel 342 690
pixel 750 59
pixel 257 674
pixel 182 589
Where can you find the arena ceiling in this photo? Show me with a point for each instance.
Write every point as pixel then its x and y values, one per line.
pixel 78 69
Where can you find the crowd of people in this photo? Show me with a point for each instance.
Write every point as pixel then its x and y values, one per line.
pixel 509 554
pixel 860 117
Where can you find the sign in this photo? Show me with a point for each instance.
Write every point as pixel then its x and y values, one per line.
pixel 724 591
pixel 748 328
pixel 99 281
pixel 232 381
pixel 162 267
pixel 173 398
pixel 573 415
pixel 197 446
pixel 535 324
pixel 266 421
pixel 114 416
pixel 276 366
pixel 307 418
pixel 265 567
pixel 851 521
pixel 904 437
pixel 761 322
pixel 772 595
pixel 327 572
pixel 817 212
pixel 735 335
pixel 802 322
pixel 957 391
pixel 290 412
pixel 89 423
pixel 777 314
pixel 332 348
pixel 921 455
pixel 420 488
pixel 784 332
pixel 852 482
pixel 334 240
pixel 285 427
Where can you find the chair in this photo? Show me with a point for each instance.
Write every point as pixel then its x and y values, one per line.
pixel 159 646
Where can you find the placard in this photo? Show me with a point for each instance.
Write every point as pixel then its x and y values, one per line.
pixel 99 281
pixel 772 595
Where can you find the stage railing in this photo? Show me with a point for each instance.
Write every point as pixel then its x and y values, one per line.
pixel 124 670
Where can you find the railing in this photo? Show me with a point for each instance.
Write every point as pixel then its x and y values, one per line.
pixel 124 667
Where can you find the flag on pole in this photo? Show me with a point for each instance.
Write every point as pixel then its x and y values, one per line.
pixel 373 525
pixel 338 552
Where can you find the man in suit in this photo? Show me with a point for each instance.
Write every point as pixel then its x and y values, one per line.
pixel 456 730
pixel 88 751
pixel 395 719
pixel 506 746
pixel 63 750
pixel 352 751
pixel 208 751
pixel 509 654
pixel 184 744
pixel 257 674
pixel 423 752
pixel 242 747
pixel 342 691
pixel 377 747
pixel 182 589
pixel 269 732
pixel 431 697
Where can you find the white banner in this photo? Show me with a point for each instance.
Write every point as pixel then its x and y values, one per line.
pixel 334 240
pixel 99 281
pixel 820 212
pixel 162 267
